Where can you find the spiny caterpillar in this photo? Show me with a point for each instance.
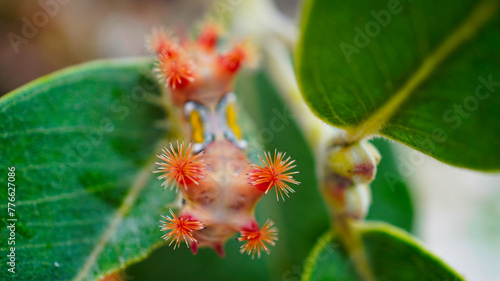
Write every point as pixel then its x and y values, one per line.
pixel 220 187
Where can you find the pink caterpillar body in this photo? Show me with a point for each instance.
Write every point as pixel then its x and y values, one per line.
pixel 220 187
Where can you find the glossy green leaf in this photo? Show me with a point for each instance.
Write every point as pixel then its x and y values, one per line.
pixel 391 200
pixel 82 142
pixel 393 255
pixel 424 73
pixel 300 220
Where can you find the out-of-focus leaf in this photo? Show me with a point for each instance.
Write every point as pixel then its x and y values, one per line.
pixel 391 200
pixel 423 73
pixel 393 255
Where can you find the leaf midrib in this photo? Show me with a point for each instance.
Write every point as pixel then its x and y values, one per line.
pixel 469 27
pixel 139 184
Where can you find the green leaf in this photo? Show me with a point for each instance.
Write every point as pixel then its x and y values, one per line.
pixel 391 200
pixel 300 220
pixel 393 255
pixel 82 142
pixel 423 73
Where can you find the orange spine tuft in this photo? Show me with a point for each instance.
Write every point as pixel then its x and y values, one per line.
pixel 256 240
pixel 233 59
pixel 177 72
pixel 274 173
pixel 209 37
pixel 179 229
pixel 160 42
pixel 180 166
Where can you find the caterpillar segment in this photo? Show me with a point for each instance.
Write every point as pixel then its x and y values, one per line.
pixel 219 186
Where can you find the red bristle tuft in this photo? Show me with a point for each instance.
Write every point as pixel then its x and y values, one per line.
pixel 233 59
pixel 160 42
pixel 209 37
pixel 180 166
pixel 256 240
pixel 219 249
pixel 177 72
pixel 274 173
pixel 180 229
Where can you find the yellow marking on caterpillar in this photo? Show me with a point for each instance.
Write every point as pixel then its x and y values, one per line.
pixel 231 121
pixel 197 126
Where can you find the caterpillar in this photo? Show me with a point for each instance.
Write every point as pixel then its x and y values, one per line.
pixel 219 186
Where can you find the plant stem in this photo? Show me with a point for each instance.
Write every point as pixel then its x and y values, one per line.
pixel 258 19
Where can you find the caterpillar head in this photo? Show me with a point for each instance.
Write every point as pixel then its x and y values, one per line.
pixel 195 69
